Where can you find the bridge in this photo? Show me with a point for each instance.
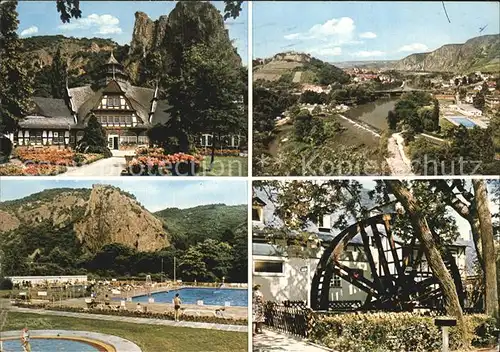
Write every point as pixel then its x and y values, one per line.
pixel 398 91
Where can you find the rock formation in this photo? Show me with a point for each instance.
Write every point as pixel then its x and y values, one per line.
pixel 99 216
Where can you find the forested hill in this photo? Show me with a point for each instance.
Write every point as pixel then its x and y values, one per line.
pixel 215 221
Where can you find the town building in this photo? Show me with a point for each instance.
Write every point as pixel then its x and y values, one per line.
pixel 468 110
pixel 493 102
pixel 124 110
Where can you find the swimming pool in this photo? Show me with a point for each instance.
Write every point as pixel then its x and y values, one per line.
pixel 52 345
pixel 209 296
pixel 464 121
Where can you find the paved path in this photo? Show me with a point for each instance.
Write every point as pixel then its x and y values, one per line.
pixel 273 341
pixel 398 162
pixel 105 167
pixel 163 322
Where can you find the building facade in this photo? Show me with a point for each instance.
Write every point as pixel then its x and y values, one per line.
pixel 124 110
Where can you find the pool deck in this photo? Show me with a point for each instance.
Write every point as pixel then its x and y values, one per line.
pixel 117 343
pixel 190 309
pixel 148 321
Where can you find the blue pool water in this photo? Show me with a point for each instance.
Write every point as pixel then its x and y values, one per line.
pixel 463 121
pixel 209 296
pixel 49 345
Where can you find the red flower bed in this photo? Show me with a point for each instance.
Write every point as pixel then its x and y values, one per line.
pixel 54 156
pixel 31 170
pixel 46 155
pixel 159 164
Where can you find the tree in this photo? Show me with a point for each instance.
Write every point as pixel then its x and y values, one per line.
pixel 488 246
pixel 15 80
pixel 435 115
pixel 434 258
pixel 94 138
pixel 392 119
pixel 58 75
pixel 203 81
pixel 192 267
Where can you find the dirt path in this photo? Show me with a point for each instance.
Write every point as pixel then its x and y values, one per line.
pixel 398 162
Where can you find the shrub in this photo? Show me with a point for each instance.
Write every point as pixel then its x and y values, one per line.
pixel 395 332
pixel 6 284
pixel 5 148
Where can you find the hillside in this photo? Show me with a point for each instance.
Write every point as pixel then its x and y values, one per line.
pixel 477 54
pixel 206 221
pixel 105 231
pixel 297 68
pixel 98 216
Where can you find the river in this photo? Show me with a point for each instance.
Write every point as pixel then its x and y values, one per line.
pixel 373 114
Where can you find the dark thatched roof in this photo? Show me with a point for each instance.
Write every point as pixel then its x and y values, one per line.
pixel 51 107
pixel 161 114
pixel 47 122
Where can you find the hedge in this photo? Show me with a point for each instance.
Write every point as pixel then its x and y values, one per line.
pixel 377 332
pixel 129 313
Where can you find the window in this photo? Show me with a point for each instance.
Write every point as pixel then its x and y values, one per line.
pixel 38 137
pixel 113 102
pixel 274 267
pixel 336 281
pixel 117 120
pixel 256 214
pixel 122 120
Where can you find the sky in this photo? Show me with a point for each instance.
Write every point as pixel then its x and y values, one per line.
pixel 111 19
pixel 352 31
pixel 155 195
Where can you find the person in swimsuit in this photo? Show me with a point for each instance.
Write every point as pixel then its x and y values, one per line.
pixel 25 340
pixel 177 306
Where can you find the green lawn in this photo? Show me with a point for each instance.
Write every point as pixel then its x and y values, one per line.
pixel 150 338
pixel 225 166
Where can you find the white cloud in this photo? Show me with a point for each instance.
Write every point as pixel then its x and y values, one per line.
pixel 327 51
pixel 29 31
pixel 364 53
pixel 335 31
pixel 100 24
pixel 414 47
pixel 367 35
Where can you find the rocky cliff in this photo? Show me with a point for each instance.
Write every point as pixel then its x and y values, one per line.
pixel 476 54
pixel 148 34
pixel 99 216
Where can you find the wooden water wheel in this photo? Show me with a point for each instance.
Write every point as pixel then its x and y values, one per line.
pixel 396 276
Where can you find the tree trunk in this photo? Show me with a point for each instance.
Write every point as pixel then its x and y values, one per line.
pixel 183 142
pixel 434 258
pixel 488 244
